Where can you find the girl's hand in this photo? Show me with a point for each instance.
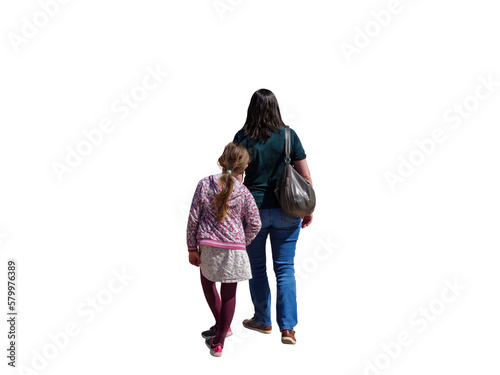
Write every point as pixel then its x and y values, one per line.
pixel 194 258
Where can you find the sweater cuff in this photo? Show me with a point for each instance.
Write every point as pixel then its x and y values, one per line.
pixel 192 248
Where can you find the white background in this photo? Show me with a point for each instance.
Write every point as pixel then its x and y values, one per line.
pixel 123 207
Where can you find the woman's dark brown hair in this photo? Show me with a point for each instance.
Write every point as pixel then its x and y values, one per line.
pixel 263 116
pixel 235 158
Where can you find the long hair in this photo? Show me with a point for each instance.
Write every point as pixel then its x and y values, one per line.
pixel 263 116
pixel 234 158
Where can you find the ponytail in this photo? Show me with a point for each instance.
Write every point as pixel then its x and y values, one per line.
pixel 234 159
pixel 227 183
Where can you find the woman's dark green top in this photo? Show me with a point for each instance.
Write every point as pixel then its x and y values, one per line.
pixel 267 159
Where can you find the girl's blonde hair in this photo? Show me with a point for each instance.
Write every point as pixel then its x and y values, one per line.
pixel 235 158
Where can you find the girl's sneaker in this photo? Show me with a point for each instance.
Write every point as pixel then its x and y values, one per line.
pixel 215 350
pixel 212 332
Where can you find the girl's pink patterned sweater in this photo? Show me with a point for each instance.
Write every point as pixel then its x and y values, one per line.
pixel 203 227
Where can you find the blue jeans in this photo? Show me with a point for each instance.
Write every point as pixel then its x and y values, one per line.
pixel 284 233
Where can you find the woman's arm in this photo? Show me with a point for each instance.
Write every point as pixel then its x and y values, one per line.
pixel 303 169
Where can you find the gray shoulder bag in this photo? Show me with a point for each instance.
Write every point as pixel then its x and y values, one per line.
pixel 295 195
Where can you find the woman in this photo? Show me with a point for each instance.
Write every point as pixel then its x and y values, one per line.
pixel 264 137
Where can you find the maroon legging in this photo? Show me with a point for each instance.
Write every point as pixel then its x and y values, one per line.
pixel 222 307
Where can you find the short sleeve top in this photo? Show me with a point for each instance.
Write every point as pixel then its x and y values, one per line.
pixel 267 160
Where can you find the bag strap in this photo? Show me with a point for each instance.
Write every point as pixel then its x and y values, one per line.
pixel 287 145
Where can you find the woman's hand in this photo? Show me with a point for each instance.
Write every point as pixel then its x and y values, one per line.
pixel 194 258
pixel 307 220
pixel 303 169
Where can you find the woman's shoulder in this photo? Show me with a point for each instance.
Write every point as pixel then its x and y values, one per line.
pixel 281 131
pixel 294 137
pixel 293 133
pixel 239 136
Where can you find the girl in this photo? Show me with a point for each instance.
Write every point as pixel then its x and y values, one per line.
pixel 217 239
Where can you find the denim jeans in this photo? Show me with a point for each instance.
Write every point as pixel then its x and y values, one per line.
pixel 283 231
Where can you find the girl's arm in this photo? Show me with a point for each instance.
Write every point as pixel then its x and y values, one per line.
pixel 252 218
pixel 194 219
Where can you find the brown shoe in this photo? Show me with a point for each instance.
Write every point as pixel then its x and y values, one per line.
pixel 252 324
pixel 288 337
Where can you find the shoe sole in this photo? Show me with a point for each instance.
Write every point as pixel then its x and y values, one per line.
pixel 215 354
pixel 210 337
pixel 256 329
pixel 288 340
pixel 212 352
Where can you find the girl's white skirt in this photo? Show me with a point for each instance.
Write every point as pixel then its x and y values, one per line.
pixel 224 265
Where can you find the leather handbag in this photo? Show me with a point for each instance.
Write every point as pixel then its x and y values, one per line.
pixel 295 195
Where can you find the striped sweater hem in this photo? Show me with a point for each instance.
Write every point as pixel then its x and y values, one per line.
pixel 221 244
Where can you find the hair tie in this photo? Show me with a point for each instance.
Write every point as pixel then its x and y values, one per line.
pixel 228 171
